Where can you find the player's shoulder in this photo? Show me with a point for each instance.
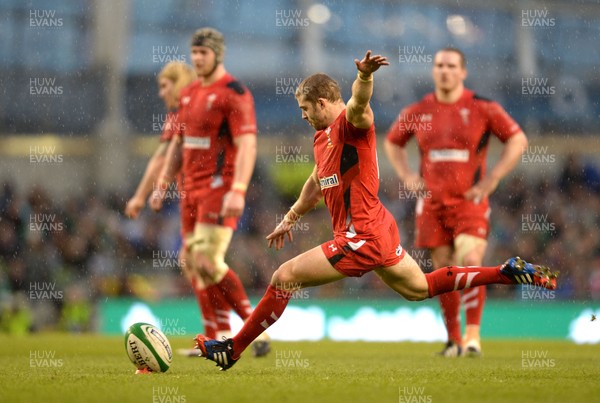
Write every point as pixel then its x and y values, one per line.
pixel 234 86
pixel 476 97
pixel 486 105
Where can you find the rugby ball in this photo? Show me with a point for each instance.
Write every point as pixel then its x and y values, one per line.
pixel 148 348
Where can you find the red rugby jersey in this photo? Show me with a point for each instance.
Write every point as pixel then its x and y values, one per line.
pixel 346 159
pixel 211 117
pixel 453 140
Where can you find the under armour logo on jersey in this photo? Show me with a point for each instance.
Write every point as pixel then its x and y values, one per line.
pixel 185 100
pixel 209 101
pixel 470 277
pixel 332 247
pixel 464 114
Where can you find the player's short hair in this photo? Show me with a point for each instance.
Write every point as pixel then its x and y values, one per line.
pixel 181 74
pixel 463 59
pixel 211 38
pixel 319 86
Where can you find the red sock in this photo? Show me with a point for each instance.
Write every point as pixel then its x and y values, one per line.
pixel 233 290
pixel 206 310
pixel 268 310
pixel 450 303
pixel 454 278
pixel 220 307
pixel 473 300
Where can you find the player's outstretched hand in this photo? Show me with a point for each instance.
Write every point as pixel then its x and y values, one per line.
pixel 277 237
pixel 370 64
pixel 134 206
pixel 482 189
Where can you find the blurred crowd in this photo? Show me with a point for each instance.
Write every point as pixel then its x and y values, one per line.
pixel 58 259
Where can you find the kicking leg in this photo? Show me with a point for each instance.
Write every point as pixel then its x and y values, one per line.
pixel 309 269
pixel 407 279
pixel 226 290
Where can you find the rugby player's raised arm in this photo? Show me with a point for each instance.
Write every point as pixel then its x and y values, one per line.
pixel 358 110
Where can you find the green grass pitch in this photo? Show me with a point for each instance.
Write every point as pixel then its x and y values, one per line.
pixel 88 368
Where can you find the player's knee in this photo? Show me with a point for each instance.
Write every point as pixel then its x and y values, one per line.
pixel 184 264
pixel 283 278
pixel 469 250
pixel 202 263
pixel 280 276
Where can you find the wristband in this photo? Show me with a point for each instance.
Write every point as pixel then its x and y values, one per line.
pixel 362 79
pixel 292 217
pixel 294 211
pixel 240 188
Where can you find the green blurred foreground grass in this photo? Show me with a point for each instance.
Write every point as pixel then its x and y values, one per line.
pixel 90 368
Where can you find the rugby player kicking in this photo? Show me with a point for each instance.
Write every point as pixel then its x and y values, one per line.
pixel 365 237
